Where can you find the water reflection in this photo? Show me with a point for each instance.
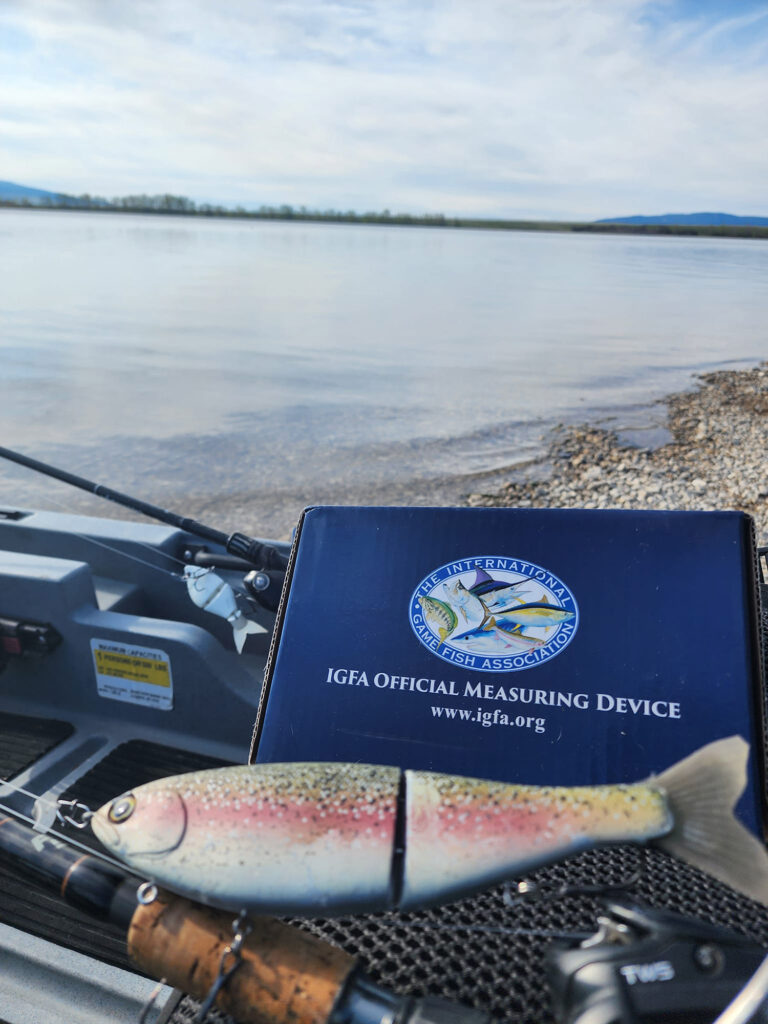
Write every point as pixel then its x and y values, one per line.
pixel 349 360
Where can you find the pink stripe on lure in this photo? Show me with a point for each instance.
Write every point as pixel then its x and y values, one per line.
pixel 320 839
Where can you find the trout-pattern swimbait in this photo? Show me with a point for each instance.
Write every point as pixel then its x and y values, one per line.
pixel 322 839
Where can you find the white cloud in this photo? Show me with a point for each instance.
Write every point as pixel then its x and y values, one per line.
pixel 536 107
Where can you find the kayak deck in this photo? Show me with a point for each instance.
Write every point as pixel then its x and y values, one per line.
pixel 60 737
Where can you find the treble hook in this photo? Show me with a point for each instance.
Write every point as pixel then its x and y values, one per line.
pixel 241 929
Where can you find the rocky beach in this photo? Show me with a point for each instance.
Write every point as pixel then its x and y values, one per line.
pixel 717 458
pixel 714 455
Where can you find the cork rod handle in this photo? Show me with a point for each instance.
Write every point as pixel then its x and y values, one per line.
pixel 287 976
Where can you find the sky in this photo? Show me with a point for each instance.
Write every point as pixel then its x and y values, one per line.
pixel 552 109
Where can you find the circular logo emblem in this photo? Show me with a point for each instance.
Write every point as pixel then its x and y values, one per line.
pixel 493 613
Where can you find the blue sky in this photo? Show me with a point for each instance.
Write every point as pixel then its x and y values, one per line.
pixel 573 109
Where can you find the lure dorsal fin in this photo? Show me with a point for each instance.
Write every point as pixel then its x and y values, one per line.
pixel 702 790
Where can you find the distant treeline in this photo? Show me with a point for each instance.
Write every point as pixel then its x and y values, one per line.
pixel 182 206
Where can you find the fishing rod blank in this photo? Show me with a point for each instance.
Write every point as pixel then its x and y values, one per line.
pixel 83 881
pixel 254 551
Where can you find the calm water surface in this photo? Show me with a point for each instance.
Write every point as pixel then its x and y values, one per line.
pixel 241 370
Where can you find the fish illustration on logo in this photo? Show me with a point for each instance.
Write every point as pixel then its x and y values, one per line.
pixel 494 613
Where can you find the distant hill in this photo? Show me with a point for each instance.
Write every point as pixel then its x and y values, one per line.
pixel 22 194
pixel 696 219
pixel 18 193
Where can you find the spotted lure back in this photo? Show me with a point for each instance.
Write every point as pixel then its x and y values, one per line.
pixel 323 839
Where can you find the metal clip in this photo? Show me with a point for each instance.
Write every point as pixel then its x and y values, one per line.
pixel 241 929
pixel 528 891
pixel 79 816
pixel 146 893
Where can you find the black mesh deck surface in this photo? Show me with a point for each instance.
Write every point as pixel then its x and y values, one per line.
pixel 486 951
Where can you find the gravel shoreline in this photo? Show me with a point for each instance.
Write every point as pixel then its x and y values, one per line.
pixel 717 458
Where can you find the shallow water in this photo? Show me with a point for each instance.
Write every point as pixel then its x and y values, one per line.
pixel 246 369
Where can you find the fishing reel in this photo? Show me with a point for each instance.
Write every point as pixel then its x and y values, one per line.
pixel 645 965
pixel 364 1002
pixel 262 585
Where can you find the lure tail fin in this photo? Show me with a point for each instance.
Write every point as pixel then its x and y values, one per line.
pixel 242 628
pixel 702 790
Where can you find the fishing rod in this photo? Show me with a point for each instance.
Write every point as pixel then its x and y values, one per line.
pixel 251 550
pixel 258 970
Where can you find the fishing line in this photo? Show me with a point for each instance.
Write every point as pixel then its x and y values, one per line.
pixel 124 554
pixel 27 792
pixel 66 819
pixel 134 558
pixel 66 839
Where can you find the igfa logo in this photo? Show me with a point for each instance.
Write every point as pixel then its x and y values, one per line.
pixel 494 614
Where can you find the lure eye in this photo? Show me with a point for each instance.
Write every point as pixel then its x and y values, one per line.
pixel 122 808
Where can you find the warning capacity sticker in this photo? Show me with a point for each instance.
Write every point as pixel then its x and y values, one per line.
pixel 137 675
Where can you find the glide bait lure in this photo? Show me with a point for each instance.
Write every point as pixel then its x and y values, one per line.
pixel 324 839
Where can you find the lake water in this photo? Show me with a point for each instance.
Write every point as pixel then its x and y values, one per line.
pixel 240 370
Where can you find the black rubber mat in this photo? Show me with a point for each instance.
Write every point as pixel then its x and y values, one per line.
pixel 24 740
pixel 24 905
pixel 134 764
pixel 128 766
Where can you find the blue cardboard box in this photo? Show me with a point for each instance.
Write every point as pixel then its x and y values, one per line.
pixel 557 646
